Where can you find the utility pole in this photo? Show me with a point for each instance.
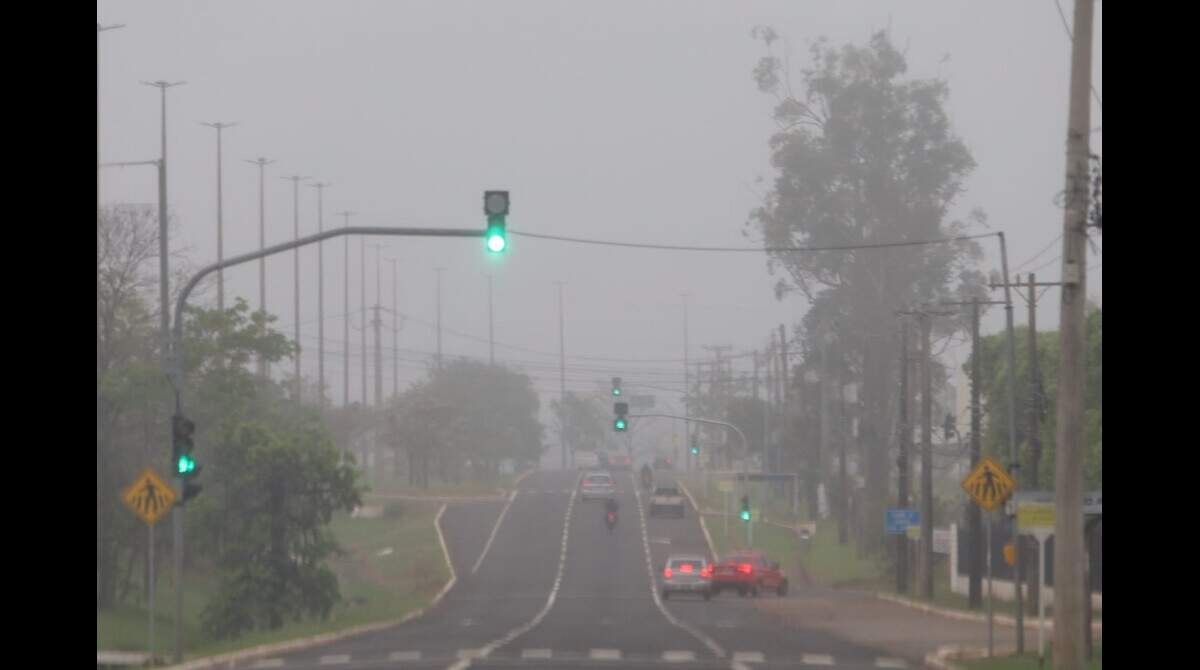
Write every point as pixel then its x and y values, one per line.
pixel 346 318
pixel 1069 594
pixel 164 323
pixel 783 381
pixel 562 377
pixel 439 317
pixel 220 224
pixel 902 462
pixel 491 330
pixel 378 361
pixel 974 513
pixel 362 272
pixel 296 179
pixel 263 369
pixel 687 390
pixel 926 321
pixel 843 485
pixel 395 331
pixel 320 186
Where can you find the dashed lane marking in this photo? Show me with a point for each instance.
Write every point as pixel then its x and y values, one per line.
pixel 468 654
pixel 269 663
pixel 888 662
pixel 816 659
pixel 678 656
pixel 536 653
pixel 334 659
pixel 605 654
pixel 404 656
pixel 749 657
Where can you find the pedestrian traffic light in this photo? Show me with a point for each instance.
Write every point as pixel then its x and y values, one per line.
pixel 620 409
pixel 616 386
pixel 182 445
pixel 495 207
pixel 745 508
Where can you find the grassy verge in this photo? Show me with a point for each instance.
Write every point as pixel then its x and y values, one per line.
pixel 1026 662
pixel 832 564
pixel 373 587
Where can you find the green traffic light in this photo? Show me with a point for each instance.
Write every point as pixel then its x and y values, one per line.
pixel 496 243
pixel 695 451
pixel 185 464
pixel 619 424
pixel 497 240
pixel 745 515
pixel 616 391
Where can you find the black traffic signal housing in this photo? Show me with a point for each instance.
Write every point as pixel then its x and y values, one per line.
pixel 695 445
pixel 616 386
pixel 745 508
pixel 621 409
pixel 948 428
pixel 495 207
pixel 183 460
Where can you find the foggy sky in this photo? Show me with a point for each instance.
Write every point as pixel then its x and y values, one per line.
pixel 629 121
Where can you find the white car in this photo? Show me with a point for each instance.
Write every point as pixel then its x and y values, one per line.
pixel 587 460
pixel 597 486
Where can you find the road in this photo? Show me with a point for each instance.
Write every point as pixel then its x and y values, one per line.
pixel 556 590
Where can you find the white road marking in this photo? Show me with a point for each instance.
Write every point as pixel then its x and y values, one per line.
pixel 699 515
pixel 512 496
pixel 404 656
pixel 749 657
pixel 384 552
pixel 816 659
pixel 334 659
pixel 521 630
pixel 678 656
pixel 437 523
pixel 536 653
pixel 706 640
pixel 269 663
pixel 888 662
pixel 605 654
pixel 468 654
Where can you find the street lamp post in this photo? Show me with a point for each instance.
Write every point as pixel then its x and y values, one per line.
pixel 395 331
pixel 261 162
pixel 296 179
pixel 346 317
pixel 320 186
pixel 220 222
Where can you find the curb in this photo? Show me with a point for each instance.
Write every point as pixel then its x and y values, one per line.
pixel 940 659
pixel 1030 622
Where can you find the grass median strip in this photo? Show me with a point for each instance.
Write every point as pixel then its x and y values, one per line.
pixel 1024 662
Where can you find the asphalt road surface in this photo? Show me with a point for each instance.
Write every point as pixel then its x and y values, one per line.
pixel 556 589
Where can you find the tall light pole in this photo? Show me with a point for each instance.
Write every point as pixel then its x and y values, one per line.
pixel 687 429
pixel 346 318
pixel 261 162
pixel 375 324
pixel 164 322
pixel 395 331
pixel 320 186
pixel 362 271
pixel 562 378
pixel 220 221
pixel 439 317
pixel 491 330
pixel 296 179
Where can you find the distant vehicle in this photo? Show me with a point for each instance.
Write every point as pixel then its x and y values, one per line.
pixel 597 486
pixel 748 572
pixel 587 460
pixel 687 574
pixel 615 460
pixel 666 498
pixel 662 463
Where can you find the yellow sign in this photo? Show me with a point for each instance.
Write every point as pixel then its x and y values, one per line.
pixel 988 484
pixel 1035 516
pixel 914 532
pixel 149 497
pixel 1010 554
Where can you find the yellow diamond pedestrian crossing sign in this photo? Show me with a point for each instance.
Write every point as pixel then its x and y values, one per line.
pixel 149 496
pixel 988 484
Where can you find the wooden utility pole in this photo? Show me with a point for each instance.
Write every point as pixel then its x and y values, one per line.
pixel 1068 466
pixel 974 513
pixel 926 321
pixel 902 461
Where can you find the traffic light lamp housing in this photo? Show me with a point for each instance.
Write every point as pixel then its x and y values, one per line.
pixel 182 445
pixel 616 386
pixel 745 508
pixel 621 409
pixel 495 207
pixel 695 446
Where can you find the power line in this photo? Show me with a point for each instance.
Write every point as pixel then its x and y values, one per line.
pixel 677 247
pixel 1035 256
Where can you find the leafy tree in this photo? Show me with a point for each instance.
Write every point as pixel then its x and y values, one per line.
pixel 588 422
pixel 864 156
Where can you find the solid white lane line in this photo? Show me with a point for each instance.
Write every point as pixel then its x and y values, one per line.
pixel 678 656
pixel 605 654
pixel 335 659
pixel 269 663
pixel 889 662
pixel 437 523
pixel 749 657
pixel 512 496
pixel 536 653
pixel 467 653
pixel 706 640
pixel 404 656
pixel 521 630
pixel 712 552
pixel 816 659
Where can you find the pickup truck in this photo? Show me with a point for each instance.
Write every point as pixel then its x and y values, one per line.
pixel 666 498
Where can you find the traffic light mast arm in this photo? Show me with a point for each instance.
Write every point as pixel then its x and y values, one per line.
pixel 714 422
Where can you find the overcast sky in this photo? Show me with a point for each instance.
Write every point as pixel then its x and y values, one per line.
pixel 629 121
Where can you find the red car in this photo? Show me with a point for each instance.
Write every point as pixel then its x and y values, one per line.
pixel 748 572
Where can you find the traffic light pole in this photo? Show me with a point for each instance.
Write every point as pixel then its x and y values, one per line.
pixel 174 351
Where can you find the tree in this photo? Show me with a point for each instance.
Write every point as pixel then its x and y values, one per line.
pixel 588 423
pixel 864 157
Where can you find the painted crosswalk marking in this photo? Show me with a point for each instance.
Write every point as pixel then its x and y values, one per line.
pixel 888 662
pixel 605 654
pixel 678 656
pixel 817 659
pixel 536 653
pixel 749 657
pixel 404 656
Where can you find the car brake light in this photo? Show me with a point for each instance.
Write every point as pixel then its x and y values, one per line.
pixel 667 573
pixel 744 568
pixel 686 567
pixel 707 571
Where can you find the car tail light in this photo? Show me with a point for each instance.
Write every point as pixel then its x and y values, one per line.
pixel 667 573
pixel 707 571
pixel 686 567
pixel 744 568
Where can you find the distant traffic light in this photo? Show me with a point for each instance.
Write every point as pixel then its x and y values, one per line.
pixel 495 207
pixel 616 386
pixel 182 446
pixel 948 428
pixel 695 446
pixel 745 508
pixel 620 409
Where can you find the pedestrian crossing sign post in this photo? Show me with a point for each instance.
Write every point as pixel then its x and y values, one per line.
pixel 988 484
pixel 149 496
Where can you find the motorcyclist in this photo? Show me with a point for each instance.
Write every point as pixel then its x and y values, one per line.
pixel 647 476
pixel 610 513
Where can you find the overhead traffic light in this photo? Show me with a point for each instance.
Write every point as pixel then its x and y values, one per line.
pixel 616 386
pixel 182 446
pixel 620 409
pixel 695 446
pixel 745 508
pixel 495 207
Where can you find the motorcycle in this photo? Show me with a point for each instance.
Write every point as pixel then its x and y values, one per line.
pixel 610 517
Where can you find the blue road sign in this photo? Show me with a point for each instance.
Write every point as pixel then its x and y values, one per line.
pixel 898 521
